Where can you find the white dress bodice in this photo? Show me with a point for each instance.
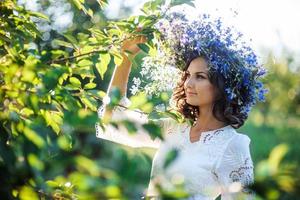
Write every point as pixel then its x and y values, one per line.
pixel 209 167
pixel 218 164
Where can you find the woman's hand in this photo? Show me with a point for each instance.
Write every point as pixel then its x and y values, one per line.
pixel 130 45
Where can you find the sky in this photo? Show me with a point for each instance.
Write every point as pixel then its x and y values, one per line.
pixel 268 23
pixel 271 24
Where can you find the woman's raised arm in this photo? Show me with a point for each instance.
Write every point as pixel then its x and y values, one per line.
pixel 121 73
pixel 121 135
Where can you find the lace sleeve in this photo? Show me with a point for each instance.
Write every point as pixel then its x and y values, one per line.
pixel 121 135
pixel 235 170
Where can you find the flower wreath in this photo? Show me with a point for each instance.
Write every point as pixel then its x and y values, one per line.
pixel 223 48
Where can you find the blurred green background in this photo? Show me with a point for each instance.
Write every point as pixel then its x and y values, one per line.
pixel 56 61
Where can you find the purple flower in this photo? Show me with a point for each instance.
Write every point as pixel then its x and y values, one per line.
pixel 225 50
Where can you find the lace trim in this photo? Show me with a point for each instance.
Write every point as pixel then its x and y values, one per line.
pixel 244 175
pixel 209 136
pixel 215 175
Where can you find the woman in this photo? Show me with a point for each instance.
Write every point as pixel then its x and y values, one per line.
pixel 212 158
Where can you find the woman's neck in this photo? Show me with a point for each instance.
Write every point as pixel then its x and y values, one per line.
pixel 207 121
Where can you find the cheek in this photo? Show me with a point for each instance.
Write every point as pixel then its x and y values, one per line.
pixel 206 91
pixel 185 82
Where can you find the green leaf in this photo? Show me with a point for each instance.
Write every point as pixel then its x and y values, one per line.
pixel 276 156
pixel 50 79
pixel 88 165
pixel 103 64
pixel 78 4
pixel 138 100
pixel 75 81
pixel 152 6
pixel 38 15
pixel 180 2
pixel 115 97
pixel 62 78
pixel 96 93
pixel 98 34
pixel 85 62
pixel 26 111
pixel 171 156
pixel 28 75
pixel 143 47
pixel 147 7
pixel 62 43
pixel 102 3
pixel 58 53
pixel 34 137
pixel 4 38
pixel 52 184
pixel 90 86
pixel 84 72
pixel 12 52
pixel 52 119
pixel 27 192
pixel 153 130
pixel 65 142
pixel 71 39
pixel 82 36
pixel 35 162
pixel 174 115
pixel 117 59
pixel 90 12
pixel 70 87
pixel 89 102
pixel 130 126
pixel 33 29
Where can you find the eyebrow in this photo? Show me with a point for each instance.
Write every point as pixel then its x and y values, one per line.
pixel 197 72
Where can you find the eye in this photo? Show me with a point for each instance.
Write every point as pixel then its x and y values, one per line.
pixel 198 76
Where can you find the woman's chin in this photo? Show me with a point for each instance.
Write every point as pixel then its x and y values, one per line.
pixel 192 103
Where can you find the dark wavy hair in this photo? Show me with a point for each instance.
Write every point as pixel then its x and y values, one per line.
pixel 224 110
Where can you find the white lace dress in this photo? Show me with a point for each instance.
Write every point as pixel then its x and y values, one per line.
pixel 218 164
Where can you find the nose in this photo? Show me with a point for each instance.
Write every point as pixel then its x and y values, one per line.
pixel 188 83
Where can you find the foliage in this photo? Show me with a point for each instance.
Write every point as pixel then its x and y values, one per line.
pixel 276 179
pixel 275 125
pixel 49 99
pixel 50 91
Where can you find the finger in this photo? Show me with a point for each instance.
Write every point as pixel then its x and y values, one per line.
pixel 142 39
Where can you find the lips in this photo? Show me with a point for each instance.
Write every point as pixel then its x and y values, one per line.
pixel 191 93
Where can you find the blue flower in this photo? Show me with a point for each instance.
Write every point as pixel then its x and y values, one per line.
pixel 230 94
pixel 262 94
pixel 225 51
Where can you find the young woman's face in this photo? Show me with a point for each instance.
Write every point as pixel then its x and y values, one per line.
pixel 198 89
